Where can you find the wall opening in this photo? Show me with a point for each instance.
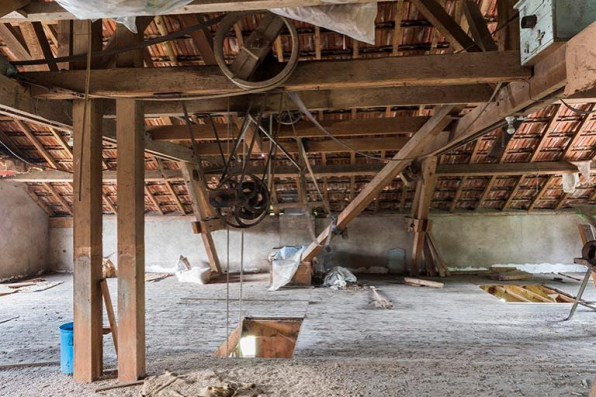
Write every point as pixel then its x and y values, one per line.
pixel 528 293
pixel 262 337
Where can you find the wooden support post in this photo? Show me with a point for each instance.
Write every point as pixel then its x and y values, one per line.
pixel 202 211
pixel 107 300
pixel 131 240
pixel 427 187
pixel 87 225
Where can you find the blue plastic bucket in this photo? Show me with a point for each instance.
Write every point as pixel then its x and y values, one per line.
pixel 66 350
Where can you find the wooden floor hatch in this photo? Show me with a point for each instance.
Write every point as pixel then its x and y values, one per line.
pixel 262 337
pixel 528 293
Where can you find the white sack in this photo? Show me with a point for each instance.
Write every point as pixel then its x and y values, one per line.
pixel 339 277
pixel 196 275
pixel 570 181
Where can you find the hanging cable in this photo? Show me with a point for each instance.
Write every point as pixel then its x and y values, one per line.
pixel 578 111
pixel 241 273
pixel 227 290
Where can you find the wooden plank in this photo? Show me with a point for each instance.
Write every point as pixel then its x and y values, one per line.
pixel 87 241
pixel 426 134
pixel 443 22
pixel 478 27
pixel 40 148
pixel 451 170
pixel 440 70
pixel 514 191
pixel 123 37
pixel 153 200
pixel 131 240
pixel 58 197
pixel 548 129
pixel 334 99
pixel 423 283
pixel 33 45
pixel 8 6
pixel 42 42
pixel 458 193
pixel 175 197
pixel 87 222
pixel 427 187
pixel 231 343
pixel 486 192
pixel 201 38
pixel 15 43
pixel 398 33
pixel 202 211
pixel 304 129
pixel 543 190
pixel 107 300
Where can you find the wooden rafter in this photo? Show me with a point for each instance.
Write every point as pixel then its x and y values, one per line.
pixel 478 26
pixel 40 148
pixel 548 129
pixel 514 191
pixel 444 23
pixel 541 192
pixel 8 6
pixel 153 200
pixel 175 197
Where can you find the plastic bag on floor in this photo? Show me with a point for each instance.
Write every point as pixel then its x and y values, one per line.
pixel 123 11
pixel 284 265
pixel 339 277
pixel 354 20
pixel 197 275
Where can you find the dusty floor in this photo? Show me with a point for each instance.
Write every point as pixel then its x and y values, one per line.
pixel 456 341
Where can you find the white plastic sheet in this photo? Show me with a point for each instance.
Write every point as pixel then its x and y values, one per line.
pixel 354 20
pixel 285 263
pixel 123 11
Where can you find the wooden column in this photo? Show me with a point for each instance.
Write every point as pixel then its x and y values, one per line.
pixel 87 223
pixel 131 240
pixel 202 211
pixel 426 187
pixel 88 354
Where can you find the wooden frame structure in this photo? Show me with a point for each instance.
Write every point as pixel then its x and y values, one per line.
pixel 428 110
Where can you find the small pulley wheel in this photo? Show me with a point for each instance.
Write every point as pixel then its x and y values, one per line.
pixel 243 71
pixel 252 202
pixel 589 251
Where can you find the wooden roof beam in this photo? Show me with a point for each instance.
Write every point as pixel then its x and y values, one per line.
pixel 446 69
pixel 324 171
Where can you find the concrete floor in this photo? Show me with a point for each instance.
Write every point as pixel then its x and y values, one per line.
pixel 456 341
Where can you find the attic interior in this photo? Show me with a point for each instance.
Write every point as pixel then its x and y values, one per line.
pixel 297 198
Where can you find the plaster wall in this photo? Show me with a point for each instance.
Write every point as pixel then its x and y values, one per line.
pixel 23 233
pixel 373 241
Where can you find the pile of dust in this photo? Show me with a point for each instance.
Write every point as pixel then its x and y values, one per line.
pixel 197 384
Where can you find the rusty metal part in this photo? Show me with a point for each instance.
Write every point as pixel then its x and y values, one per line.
pixel 589 252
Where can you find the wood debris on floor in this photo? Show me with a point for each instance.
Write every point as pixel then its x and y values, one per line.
pixel 417 282
pixel 509 274
pixel 32 285
pixel 155 277
pixel 199 384
pixel 528 293
pixel 379 300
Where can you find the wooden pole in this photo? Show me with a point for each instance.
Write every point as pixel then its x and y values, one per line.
pixel 131 240
pixel 202 210
pixel 87 224
pixel 427 186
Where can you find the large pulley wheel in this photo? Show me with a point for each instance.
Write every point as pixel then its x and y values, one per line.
pixel 251 204
pixel 249 70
